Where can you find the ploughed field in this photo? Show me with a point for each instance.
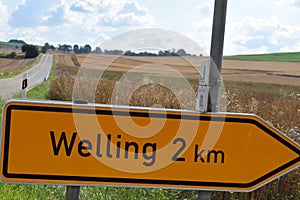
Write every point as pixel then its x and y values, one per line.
pixel 284 73
pixel 9 66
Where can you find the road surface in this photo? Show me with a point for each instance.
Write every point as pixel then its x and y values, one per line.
pixel 36 75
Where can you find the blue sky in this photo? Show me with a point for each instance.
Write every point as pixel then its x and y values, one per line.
pixel 256 26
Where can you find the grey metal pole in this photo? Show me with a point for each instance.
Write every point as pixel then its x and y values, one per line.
pixel 216 54
pixel 73 192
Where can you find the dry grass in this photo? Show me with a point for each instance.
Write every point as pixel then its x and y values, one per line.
pixel 281 107
pixel 154 95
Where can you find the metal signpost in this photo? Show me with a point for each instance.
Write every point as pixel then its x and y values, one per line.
pixel 216 55
pixel 38 148
pixel 73 192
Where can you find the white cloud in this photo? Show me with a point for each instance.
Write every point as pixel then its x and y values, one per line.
pixel 291 3
pixel 73 21
pixel 133 7
pixel 82 6
pixel 205 9
pixel 33 13
pixel 203 27
pixel 88 6
pixel 107 14
pixel 29 35
pixel 4 19
pixel 126 13
pixel 251 35
pixel 296 3
pixel 3 15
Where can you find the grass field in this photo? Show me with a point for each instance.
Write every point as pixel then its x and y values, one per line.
pixel 274 57
pixel 10 44
pixel 278 104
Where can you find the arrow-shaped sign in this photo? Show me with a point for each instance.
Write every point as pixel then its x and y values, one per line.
pixel 62 143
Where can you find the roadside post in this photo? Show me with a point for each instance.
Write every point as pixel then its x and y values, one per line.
pixel 24 85
pixel 73 192
pixel 216 56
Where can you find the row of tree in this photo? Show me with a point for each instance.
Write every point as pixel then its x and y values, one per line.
pixel 47 47
pixel 66 48
pixel 86 49
pixel 17 41
pixel 180 52
pixel 32 51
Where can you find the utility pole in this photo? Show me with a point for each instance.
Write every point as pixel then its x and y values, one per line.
pixel 216 56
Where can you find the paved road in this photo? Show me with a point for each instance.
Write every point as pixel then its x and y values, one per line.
pixel 36 75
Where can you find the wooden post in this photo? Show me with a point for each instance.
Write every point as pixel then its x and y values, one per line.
pixel 216 55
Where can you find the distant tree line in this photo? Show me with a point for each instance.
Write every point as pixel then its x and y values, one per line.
pixel 32 51
pixel 47 47
pixel 130 53
pixel 86 49
pixel 17 41
pixel 173 52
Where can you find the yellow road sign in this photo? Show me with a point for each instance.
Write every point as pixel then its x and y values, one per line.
pixel 62 143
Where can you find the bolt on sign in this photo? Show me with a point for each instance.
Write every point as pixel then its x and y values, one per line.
pixel 64 143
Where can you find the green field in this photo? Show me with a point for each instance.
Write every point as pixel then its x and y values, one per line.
pixel 12 44
pixel 275 57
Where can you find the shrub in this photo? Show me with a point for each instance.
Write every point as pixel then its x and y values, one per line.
pixel 31 51
pixel 12 55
